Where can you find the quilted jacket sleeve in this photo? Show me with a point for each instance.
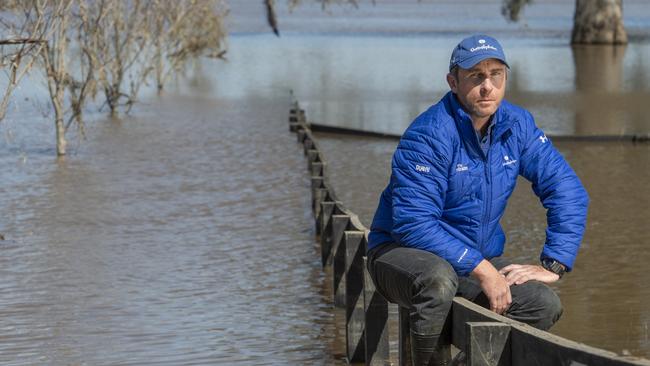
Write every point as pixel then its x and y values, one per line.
pixel 420 169
pixel 560 192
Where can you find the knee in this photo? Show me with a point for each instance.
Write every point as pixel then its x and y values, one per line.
pixel 438 284
pixel 551 307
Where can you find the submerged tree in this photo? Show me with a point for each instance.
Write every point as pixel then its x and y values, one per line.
pixel 55 62
pixel 83 46
pixel 599 22
pixel 50 25
pixel 594 22
pixel 19 53
pixel 117 40
pixel 185 30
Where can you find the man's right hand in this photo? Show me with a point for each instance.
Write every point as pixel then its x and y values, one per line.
pixel 494 286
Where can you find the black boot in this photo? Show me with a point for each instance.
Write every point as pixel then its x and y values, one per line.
pixel 427 350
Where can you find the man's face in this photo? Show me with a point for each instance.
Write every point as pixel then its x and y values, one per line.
pixel 481 88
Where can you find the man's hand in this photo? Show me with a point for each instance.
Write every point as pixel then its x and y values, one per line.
pixel 516 274
pixel 494 286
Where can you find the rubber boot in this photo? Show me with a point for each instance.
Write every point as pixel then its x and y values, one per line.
pixel 427 350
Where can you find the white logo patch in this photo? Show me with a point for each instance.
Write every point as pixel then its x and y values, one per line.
pixel 508 161
pixel 422 168
pixel 461 168
pixel 543 139
pixel 481 41
pixel 482 47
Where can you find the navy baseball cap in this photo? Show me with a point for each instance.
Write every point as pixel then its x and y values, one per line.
pixel 475 49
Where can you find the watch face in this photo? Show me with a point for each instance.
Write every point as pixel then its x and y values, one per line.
pixel 553 266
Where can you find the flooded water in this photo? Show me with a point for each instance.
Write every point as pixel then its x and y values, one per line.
pixel 182 234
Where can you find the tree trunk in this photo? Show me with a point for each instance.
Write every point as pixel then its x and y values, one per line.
pixel 598 22
pixel 60 128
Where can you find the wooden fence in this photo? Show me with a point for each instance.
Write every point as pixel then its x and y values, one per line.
pixel 486 337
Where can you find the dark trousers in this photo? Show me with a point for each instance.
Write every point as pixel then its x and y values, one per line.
pixel 426 285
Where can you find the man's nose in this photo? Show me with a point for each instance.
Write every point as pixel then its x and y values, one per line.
pixel 486 86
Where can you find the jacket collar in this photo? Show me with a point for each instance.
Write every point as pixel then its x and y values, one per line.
pixel 500 120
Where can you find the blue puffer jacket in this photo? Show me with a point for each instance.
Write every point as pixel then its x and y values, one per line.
pixel 447 197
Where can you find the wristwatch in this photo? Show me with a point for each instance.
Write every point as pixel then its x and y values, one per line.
pixel 554 266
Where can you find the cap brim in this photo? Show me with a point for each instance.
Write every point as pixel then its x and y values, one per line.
pixel 472 61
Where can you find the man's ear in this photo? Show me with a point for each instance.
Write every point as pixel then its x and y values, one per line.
pixel 453 83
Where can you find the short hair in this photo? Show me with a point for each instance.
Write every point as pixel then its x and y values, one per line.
pixel 454 72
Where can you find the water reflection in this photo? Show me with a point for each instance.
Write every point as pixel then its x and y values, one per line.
pixel 601 101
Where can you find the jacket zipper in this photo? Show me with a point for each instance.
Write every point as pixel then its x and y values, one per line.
pixel 487 195
pixel 488 201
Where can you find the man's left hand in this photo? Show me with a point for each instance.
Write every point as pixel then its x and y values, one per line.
pixel 516 274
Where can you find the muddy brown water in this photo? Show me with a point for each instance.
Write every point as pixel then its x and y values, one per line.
pixel 182 234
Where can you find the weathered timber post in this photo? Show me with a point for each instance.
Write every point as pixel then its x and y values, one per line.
pixel 307 143
pixel 300 135
pixel 294 126
pixel 376 312
pixel 317 193
pixel 324 227
pixel 315 163
pixel 354 308
pixel 316 168
pixel 488 344
pixel 336 256
pixel 404 337
pixel 312 156
pixel 296 118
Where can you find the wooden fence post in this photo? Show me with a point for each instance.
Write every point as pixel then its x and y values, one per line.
pixel 308 144
pixel 376 321
pixel 300 135
pixel 336 257
pixel 323 224
pixel 317 193
pixel 488 344
pixel 354 309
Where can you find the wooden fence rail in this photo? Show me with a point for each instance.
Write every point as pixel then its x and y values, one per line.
pixel 487 338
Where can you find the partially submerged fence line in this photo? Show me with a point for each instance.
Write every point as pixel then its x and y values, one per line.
pixel 487 338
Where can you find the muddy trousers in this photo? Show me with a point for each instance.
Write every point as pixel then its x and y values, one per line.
pixel 426 284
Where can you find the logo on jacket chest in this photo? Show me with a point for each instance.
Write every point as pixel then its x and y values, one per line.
pixel 461 167
pixel 422 168
pixel 507 160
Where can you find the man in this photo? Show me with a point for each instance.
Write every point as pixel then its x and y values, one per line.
pixel 436 232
